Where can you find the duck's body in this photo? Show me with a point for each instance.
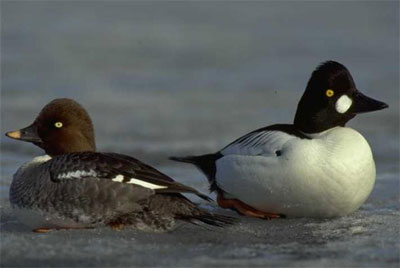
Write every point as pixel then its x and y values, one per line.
pixel 79 198
pixel 330 174
pixel 86 189
pixel 315 167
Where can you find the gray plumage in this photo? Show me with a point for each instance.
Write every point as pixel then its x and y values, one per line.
pixel 91 202
pixel 78 187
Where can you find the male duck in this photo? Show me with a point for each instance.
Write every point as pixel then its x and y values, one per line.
pixel 315 167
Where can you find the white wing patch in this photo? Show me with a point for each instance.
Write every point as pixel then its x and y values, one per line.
pixel 120 178
pixel 146 184
pixel 77 174
pixel 264 143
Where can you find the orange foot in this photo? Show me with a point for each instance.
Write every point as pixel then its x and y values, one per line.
pixel 116 226
pixel 245 209
pixel 42 230
pixel 46 230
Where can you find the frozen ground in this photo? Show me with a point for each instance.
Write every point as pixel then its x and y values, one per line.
pixel 175 79
pixel 369 237
pixel 363 239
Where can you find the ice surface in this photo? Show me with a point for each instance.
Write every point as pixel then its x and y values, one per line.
pixel 163 79
pixel 366 238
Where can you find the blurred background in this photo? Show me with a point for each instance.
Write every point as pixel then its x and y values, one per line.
pixel 176 78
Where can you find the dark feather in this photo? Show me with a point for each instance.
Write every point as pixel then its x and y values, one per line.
pixel 209 218
pixel 259 133
pixel 206 163
pixel 109 165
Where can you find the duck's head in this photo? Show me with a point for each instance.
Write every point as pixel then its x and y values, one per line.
pixel 331 99
pixel 63 126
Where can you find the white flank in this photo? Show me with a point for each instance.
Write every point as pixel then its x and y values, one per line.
pixel 329 175
pixel 343 104
pixel 146 184
pixel 77 174
pixel 118 178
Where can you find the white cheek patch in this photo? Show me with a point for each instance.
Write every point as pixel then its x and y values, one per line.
pixel 343 104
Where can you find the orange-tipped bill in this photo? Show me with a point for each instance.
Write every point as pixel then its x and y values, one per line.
pixel 28 134
pixel 14 134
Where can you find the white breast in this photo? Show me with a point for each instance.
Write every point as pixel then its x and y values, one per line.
pixel 34 162
pixel 329 175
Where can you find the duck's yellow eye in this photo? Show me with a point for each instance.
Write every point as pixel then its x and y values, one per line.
pixel 329 93
pixel 58 124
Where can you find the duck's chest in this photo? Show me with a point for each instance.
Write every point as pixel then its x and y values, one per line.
pixel 28 182
pixel 341 154
pixel 38 202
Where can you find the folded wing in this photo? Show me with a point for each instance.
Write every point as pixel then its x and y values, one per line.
pixel 117 168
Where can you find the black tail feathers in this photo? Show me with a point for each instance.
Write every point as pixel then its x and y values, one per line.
pixel 204 197
pixel 202 161
pixel 209 219
pixel 188 190
pixel 186 159
pixel 206 163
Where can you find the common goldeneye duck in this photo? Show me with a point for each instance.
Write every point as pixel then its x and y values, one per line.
pixel 315 167
pixel 73 186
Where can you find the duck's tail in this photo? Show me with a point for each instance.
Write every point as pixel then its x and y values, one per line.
pixel 206 163
pixel 208 218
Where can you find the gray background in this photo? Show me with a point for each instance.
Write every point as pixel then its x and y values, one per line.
pixel 175 78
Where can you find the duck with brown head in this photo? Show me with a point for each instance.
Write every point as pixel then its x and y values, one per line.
pixel 63 126
pixel 77 187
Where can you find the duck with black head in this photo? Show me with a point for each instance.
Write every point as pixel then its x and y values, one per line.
pixel 315 167
pixel 73 186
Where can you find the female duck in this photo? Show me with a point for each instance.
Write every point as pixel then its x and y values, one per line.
pixel 73 186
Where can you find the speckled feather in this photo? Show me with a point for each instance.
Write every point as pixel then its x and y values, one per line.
pixel 76 187
pixel 93 201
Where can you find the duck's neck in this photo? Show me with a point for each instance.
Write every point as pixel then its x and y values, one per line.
pixel 67 146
